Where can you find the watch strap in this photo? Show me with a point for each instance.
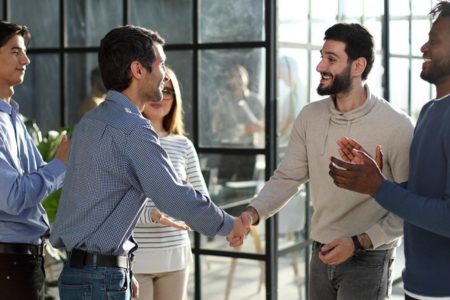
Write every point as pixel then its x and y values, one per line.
pixel 359 249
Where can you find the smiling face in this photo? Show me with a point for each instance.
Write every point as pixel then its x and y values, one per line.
pixel 156 111
pixel 13 62
pixel 436 53
pixel 334 68
pixel 154 83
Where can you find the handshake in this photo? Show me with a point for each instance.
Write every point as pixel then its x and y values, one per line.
pixel 241 226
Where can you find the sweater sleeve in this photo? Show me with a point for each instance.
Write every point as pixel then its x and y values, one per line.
pixel 288 177
pixel 390 227
pixel 432 214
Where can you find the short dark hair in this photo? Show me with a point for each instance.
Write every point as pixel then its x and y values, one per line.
pixel 119 48
pixel 9 30
pixel 441 9
pixel 358 41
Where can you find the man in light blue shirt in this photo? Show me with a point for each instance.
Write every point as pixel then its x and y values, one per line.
pixel 116 162
pixel 25 179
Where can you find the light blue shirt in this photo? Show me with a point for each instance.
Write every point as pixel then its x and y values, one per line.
pixel 115 163
pixel 25 180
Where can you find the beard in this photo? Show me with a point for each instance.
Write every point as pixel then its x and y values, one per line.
pixel 153 95
pixel 341 83
pixel 436 72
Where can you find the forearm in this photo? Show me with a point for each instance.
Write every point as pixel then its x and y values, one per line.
pixel 27 190
pixel 386 230
pixel 432 214
pixel 254 214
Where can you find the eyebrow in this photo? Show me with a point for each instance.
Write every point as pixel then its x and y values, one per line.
pixel 19 48
pixel 329 53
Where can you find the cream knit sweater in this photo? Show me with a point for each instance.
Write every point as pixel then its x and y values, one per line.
pixel 338 212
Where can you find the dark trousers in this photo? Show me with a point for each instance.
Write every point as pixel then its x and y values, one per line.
pixel 409 298
pixel 21 277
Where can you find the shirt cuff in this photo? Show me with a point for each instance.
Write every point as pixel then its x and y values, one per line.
pixel 57 169
pixel 377 236
pixel 228 222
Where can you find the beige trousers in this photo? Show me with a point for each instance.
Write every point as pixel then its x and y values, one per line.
pixel 163 286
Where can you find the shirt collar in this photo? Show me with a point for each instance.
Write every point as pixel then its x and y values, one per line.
pixel 122 100
pixel 8 107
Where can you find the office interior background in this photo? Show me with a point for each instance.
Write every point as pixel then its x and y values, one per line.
pixel 277 43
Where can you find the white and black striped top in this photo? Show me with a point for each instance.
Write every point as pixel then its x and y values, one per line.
pixel 163 248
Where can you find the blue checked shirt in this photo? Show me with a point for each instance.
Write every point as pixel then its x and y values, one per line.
pixel 25 180
pixel 115 163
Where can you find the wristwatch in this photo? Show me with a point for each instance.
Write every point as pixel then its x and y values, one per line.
pixel 359 249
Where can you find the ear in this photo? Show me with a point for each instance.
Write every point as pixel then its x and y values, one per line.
pixel 137 70
pixel 358 66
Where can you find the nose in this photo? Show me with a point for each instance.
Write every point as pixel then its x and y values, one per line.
pixel 320 66
pixel 424 47
pixel 25 60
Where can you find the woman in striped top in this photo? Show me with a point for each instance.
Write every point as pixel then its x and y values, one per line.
pixel 164 254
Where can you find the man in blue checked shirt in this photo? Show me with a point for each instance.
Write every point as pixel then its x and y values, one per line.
pixel 25 179
pixel 116 162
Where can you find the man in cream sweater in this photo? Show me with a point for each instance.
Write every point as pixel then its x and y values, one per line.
pixel 354 237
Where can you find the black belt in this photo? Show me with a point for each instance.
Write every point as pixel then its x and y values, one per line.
pixel 22 249
pixel 80 258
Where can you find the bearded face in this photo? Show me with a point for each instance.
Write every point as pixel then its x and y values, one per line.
pixel 331 84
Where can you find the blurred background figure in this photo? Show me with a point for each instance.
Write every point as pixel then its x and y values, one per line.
pixel 164 254
pixel 238 116
pixel 97 94
pixel 238 121
pixel 289 98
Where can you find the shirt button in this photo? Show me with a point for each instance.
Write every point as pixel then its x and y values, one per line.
pixel 7 277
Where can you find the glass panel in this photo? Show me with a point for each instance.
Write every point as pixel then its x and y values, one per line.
pixel 351 8
pixel 89 20
pixel 375 29
pixel 41 17
pixel 292 220
pixel 293 21
pixel 375 78
pixel 233 179
pixel 231 103
pixel 171 19
pixel 318 11
pixel 230 278
pixel 292 92
pixel 318 29
pixel 231 20
pixel 399 37
pixel 315 77
pixel 420 36
pixel 399 83
pixel 292 275
pixel 84 87
pixel 399 7
pixel 421 7
pixel 420 89
pixel 181 63
pixel 373 8
pixel 39 95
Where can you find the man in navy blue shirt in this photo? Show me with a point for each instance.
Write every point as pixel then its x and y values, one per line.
pixel 424 201
pixel 116 162
pixel 25 179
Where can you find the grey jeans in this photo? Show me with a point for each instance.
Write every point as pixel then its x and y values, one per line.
pixel 367 277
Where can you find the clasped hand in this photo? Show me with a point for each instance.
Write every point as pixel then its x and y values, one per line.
pixel 241 228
